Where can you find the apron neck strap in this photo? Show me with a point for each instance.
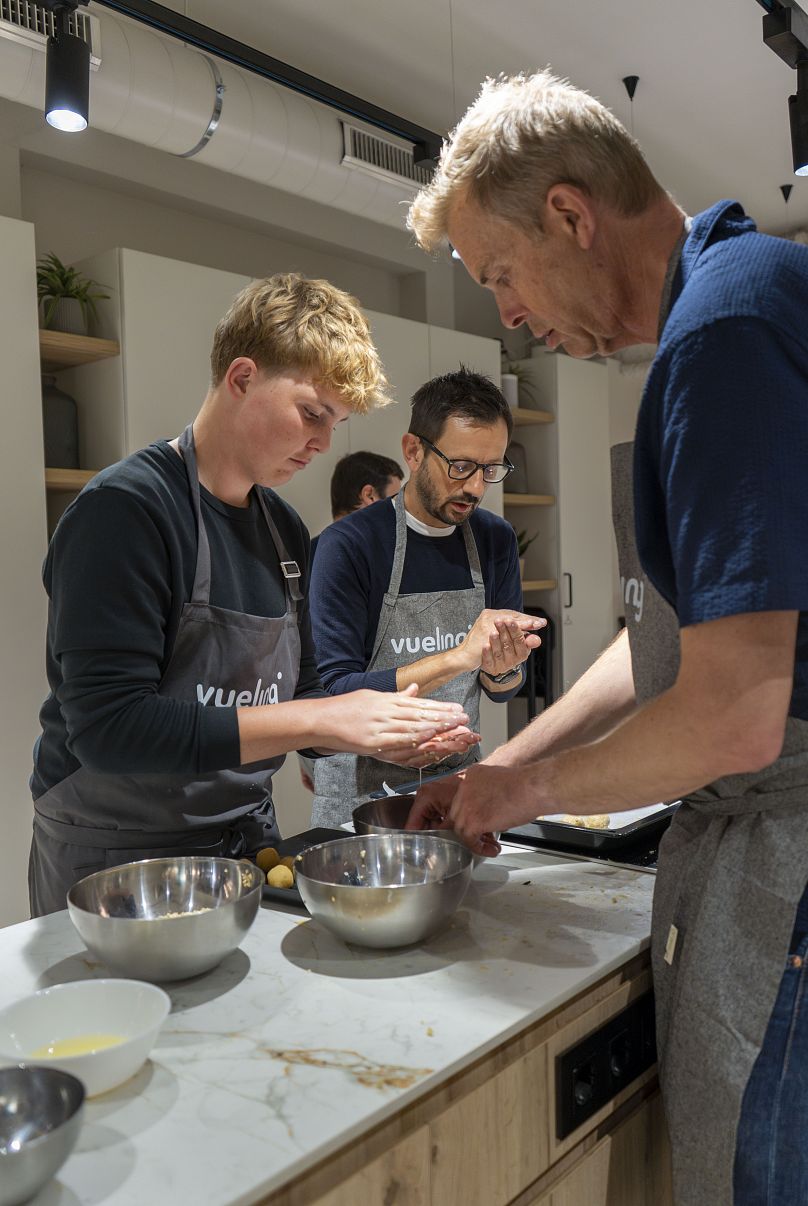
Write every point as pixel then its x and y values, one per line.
pixel 200 593
pixel 400 553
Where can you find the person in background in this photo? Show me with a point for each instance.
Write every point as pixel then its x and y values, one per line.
pixel 362 478
pixel 550 204
pixel 424 589
pixel 179 650
pixel 359 479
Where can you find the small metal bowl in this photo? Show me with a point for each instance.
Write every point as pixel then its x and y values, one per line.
pixel 41 1112
pixel 166 918
pixel 384 890
pixel 389 814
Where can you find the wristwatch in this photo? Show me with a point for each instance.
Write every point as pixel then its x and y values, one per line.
pixel 507 676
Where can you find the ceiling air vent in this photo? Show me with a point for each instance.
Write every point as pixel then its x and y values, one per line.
pixel 21 21
pixel 388 157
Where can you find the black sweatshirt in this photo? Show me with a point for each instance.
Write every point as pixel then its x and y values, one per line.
pixel 119 568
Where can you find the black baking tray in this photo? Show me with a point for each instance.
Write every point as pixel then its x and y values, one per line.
pixel 572 837
pixel 289 848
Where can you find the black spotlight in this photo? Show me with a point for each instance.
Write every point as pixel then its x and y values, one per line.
pixel 67 74
pixel 798 116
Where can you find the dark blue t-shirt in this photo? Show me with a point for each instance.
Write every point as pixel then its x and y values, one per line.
pixel 721 452
pixel 351 573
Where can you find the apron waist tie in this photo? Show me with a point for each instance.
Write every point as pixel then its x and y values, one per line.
pixel 237 836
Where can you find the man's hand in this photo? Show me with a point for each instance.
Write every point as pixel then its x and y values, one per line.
pixel 431 753
pixel 475 803
pixel 506 648
pixel 382 723
pixel 499 641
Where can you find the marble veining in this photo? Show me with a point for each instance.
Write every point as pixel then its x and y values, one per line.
pixel 297 1043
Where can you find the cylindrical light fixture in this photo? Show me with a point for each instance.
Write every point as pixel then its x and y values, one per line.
pixel 67 76
pixel 798 117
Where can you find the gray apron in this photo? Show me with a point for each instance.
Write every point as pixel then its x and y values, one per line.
pixel 732 869
pixel 92 820
pixel 341 781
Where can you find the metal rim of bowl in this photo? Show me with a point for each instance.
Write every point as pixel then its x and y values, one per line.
pixel 372 837
pixel 203 858
pixel 75 1085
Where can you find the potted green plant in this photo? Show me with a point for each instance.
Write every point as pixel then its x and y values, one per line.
pixel 67 296
pixel 524 387
pixel 523 543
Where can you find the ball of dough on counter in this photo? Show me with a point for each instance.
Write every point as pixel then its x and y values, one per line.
pixel 596 821
pixel 267 858
pixel 288 862
pixel 281 877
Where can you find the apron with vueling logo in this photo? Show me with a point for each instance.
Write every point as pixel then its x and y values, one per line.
pixel 410 627
pixel 732 869
pixel 221 658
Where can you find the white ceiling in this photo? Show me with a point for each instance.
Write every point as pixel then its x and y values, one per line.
pixel 710 109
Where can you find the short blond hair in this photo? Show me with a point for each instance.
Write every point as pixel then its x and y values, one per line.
pixel 290 322
pixel 521 136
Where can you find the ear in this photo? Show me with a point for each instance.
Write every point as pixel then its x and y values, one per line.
pixel 367 495
pixel 571 211
pixel 241 374
pixel 412 450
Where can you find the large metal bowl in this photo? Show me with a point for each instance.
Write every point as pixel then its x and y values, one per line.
pixel 166 918
pixel 389 814
pixel 41 1113
pixel 384 890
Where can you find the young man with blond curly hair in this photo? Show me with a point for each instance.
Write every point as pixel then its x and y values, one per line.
pixel 179 650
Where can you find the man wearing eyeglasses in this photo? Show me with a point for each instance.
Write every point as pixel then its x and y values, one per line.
pixel 424 588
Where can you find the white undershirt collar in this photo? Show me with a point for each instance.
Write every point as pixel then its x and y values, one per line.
pixel 418 525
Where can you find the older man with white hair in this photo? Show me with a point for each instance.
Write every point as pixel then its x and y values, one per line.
pixel 550 204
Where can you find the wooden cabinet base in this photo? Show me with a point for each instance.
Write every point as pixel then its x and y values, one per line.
pixel 487 1137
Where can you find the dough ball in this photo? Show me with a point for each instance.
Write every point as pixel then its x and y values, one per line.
pixel 267 858
pixel 281 877
pixel 288 862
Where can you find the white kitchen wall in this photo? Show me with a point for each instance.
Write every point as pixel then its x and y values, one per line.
pixel 76 219
pixel 22 548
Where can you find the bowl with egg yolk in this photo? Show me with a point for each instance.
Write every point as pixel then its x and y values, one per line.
pixel 99 1030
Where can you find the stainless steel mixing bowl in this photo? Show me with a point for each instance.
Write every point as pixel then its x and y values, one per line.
pixel 40 1118
pixel 384 890
pixel 166 918
pixel 389 814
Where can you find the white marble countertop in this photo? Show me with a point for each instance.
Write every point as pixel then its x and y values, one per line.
pixel 296 1043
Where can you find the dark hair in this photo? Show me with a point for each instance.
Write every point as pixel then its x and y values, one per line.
pixel 355 471
pixel 463 395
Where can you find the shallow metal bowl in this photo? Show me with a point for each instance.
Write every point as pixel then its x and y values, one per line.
pixel 389 814
pixel 384 890
pixel 166 918
pixel 41 1113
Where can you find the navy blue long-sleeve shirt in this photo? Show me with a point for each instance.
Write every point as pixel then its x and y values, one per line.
pixel 351 573
pixel 119 568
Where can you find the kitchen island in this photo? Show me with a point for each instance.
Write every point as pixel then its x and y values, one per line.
pixel 303 1071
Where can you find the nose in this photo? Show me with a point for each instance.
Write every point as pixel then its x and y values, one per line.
pixel 511 312
pixel 321 442
pixel 476 484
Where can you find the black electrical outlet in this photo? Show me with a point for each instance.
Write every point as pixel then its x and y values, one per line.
pixel 597 1068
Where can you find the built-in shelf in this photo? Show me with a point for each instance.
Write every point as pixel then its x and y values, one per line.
pixel 528 500
pixel 522 417
pixel 68 479
pixel 58 350
pixel 529 584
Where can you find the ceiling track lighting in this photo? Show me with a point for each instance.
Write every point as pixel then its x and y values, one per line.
pixel 785 31
pixel 67 71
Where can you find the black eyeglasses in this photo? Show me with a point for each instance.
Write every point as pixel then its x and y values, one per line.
pixel 461 471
